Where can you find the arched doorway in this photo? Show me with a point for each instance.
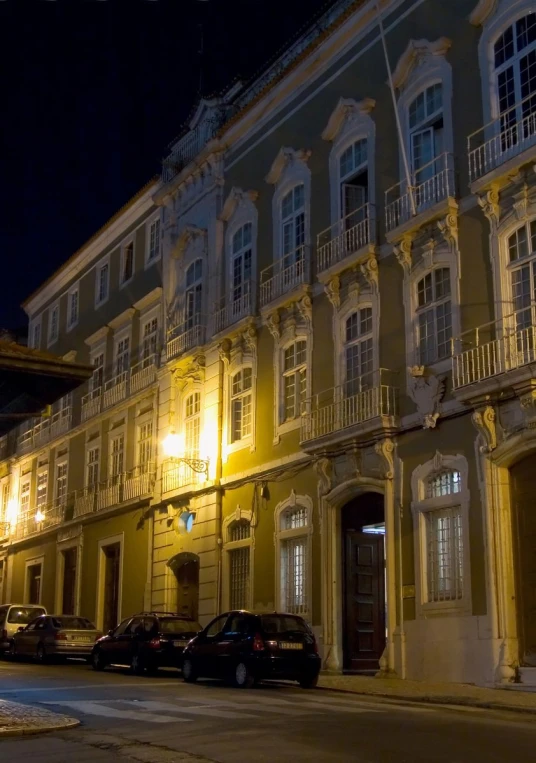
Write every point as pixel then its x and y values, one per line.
pixel 363 565
pixel 523 489
pixel 185 568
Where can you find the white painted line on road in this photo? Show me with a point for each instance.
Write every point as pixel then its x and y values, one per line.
pixel 100 708
pixel 213 712
pixel 96 687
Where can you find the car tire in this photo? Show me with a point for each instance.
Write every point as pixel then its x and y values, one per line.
pixel 41 654
pixel 189 673
pixel 308 682
pixel 97 660
pixel 137 665
pixel 243 677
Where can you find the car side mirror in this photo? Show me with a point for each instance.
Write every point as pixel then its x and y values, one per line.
pixel 20 628
pixel 111 632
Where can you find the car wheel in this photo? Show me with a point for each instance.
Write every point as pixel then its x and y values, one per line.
pixel 188 671
pixel 243 677
pixel 97 660
pixel 308 682
pixel 41 654
pixel 136 664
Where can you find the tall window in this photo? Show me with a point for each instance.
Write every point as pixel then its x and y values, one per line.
pixel 515 77
pixel 72 316
pixel 425 116
pixel 293 225
pixel 61 482
pixel 53 326
pixel 238 549
pixel 522 266
pixel 117 454
pixel 42 489
pixel 434 318
pixel 150 340
pixel 294 379
pixel 241 404
pixel 293 539
pixel 194 293
pixel 358 351
pixel 92 467
pixel 103 282
pixel 36 334
pixel 353 177
pixel 97 379
pixel 25 496
pixel 444 541
pixel 154 241
pixel 192 424
pixel 145 446
pixel 127 262
pixel 122 356
pixel 241 266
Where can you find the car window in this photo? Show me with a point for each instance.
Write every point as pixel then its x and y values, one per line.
pixel 150 625
pixel 122 627
pixel 134 626
pixel 41 624
pixel 283 624
pixel 31 626
pixel 216 626
pixel 178 625
pixel 238 624
pixel 73 623
pixel 24 615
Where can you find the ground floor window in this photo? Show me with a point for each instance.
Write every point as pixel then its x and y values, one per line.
pixel 237 549
pixel 70 563
pixel 33 582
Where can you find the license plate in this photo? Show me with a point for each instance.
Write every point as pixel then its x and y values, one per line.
pixel 180 643
pixel 85 639
pixel 289 645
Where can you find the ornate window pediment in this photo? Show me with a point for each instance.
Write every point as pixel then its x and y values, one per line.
pixel 286 159
pixel 483 11
pixel 348 114
pixel 236 200
pixel 191 237
pixel 417 54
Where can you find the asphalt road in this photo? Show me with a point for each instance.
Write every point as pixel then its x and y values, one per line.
pixel 163 720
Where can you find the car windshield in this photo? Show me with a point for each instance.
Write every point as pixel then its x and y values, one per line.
pixel 73 623
pixel 24 615
pixel 178 625
pixel 283 624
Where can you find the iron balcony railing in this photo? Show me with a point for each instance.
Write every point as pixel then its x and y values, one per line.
pixel 344 238
pixel 119 387
pixel 41 517
pixel 285 274
pixel 177 473
pixel 186 335
pixel 504 138
pixel 494 348
pixel 240 304
pixel 189 146
pixel 126 486
pixel 363 399
pixel 45 429
pixel 430 184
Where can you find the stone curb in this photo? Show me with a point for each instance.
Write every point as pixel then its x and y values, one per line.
pixel 68 723
pixel 437 700
pixel 18 719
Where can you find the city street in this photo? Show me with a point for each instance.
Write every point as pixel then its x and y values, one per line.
pixel 161 719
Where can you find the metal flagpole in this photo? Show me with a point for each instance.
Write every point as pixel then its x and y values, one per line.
pixel 397 115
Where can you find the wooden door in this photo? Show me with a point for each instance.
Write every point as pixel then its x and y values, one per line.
pixel 69 581
pixel 188 589
pixel 524 518
pixel 364 616
pixel 111 586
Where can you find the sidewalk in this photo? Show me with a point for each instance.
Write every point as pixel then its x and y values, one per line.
pixel 438 693
pixel 20 720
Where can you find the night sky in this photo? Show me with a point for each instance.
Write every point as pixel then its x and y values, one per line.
pixel 93 91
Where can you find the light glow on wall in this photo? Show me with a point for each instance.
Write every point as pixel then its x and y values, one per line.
pixel 172 445
pixel 208 445
pixel 12 511
pixel 39 516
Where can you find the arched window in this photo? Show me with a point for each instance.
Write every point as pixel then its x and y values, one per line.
pixel 434 316
pixel 294 379
pixel 354 184
pixel 293 225
pixel 293 542
pixel 241 404
pixel 358 352
pixel 241 263
pixel 425 122
pixel 522 267
pixel 194 293
pixel 238 563
pixel 192 424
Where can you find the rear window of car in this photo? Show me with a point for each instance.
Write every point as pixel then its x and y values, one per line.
pixel 283 624
pixel 24 615
pixel 178 625
pixel 73 623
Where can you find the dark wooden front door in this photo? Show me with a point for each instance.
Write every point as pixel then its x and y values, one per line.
pixel 70 557
pixel 364 615
pixel 524 518
pixel 112 554
pixel 188 589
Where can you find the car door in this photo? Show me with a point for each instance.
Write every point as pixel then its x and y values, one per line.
pixel 128 640
pixel 206 647
pixel 110 646
pixel 23 637
pixel 230 645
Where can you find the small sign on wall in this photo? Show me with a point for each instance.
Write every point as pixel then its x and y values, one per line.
pixel 408 591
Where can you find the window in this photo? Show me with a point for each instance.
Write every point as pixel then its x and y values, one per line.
pixel 425 118
pixel 241 268
pixel 53 326
pixel 293 225
pixel 434 319
pixel 127 262
pixel 515 81
pixel 92 467
pixel 241 404
pixel 192 424
pixel 194 294
pixel 353 179
pixel 117 453
pixel 150 341
pixel 444 483
pixel 33 583
pixel 445 555
pixel 25 496
pixel 72 308
pixel 122 356
pixel 294 379
pixel 97 380
pixel 102 283
pixel 358 352
pixel 293 540
pixel 61 482
pixel 522 267
pixel 239 535
pixel 42 489
pixel 145 446
pixel 153 252
pixel 36 334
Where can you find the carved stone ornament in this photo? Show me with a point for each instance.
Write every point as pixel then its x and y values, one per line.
pixel 521 203
pixel 484 422
pixel 190 236
pixel 385 450
pixel 347 110
pixel 305 309
pixel 416 52
pixel 527 401
pixel 448 228
pixel 402 252
pixel 193 372
pixel 369 269
pixel 249 337
pixel 224 350
pixel 324 470
pixel 333 291
pixel 274 324
pixel 237 198
pixel 286 157
pixel 426 390
pixel 483 11
pixel 489 203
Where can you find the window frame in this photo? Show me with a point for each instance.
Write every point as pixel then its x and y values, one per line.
pixel 246 440
pixel 301 333
pixel 37 326
pixel 155 219
pixel 293 172
pixel 289 504
pixel 53 338
pixel 354 302
pixel 432 306
pixel 104 263
pixel 72 323
pixel 230 546
pixel 125 246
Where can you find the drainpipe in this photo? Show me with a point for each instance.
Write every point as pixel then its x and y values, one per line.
pixel 402 630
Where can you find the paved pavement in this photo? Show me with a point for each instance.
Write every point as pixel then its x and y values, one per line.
pixel 163 720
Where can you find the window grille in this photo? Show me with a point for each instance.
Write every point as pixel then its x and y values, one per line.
pixel 445 555
pixel 294 564
pixel 239 577
pixel 294 519
pixel 444 483
pixel 240 530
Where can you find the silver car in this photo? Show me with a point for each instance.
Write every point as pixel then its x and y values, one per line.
pixel 55 636
pixel 12 617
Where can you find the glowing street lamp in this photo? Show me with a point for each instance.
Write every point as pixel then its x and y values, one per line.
pixel 171 445
pixel 39 516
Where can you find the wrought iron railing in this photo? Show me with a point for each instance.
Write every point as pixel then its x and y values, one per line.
pixel 190 145
pixel 345 237
pixel 232 309
pixel 186 335
pixel 183 472
pixel 285 274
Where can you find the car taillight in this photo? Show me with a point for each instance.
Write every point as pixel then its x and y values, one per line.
pixel 154 643
pixel 258 643
pixel 60 637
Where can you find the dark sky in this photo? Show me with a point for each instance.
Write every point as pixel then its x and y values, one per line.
pixel 92 92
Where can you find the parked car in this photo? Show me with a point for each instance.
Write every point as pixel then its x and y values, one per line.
pixel 55 636
pixel 12 617
pixel 146 642
pixel 247 647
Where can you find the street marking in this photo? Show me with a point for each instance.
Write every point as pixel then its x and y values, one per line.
pixel 95 687
pixel 213 712
pixel 100 708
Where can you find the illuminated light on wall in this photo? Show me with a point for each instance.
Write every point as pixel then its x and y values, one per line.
pixel 39 516
pixel 12 511
pixel 208 444
pixel 172 445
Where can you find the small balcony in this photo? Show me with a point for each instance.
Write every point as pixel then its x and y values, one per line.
pixel 139 482
pixel 42 517
pixel 361 407
pixel 495 355
pixel 345 238
pixel 239 305
pixel 143 374
pixel 92 403
pixel 285 275
pixel 190 145
pixel 408 207
pixel 25 441
pixel 505 143
pixel 186 336
pixel 178 473
pixel 61 421
pixel 115 389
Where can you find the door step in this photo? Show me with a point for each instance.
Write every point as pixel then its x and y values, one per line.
pixel 527 677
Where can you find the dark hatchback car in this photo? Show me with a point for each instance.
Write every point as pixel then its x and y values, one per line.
pixel 145 642
pixel 247 647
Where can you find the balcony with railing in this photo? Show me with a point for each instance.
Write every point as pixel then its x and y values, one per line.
pixel 358 408
pixel 285 275
pixel 190 145
pixel 186 335
pixel 238 305
pixel 44 430
pixel 119 387
pixel 427 197
pixel 143 373
pixel 345 238
pixel 92 403
pixel 178 473
pixel 40 518
pixel 496 355
pixel 505 143
pixel 115 389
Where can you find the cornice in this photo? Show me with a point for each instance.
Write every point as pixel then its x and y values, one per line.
pixel 285 157
pixel 148 299
pixel 124 317
pixel 98 336
pixel 345 109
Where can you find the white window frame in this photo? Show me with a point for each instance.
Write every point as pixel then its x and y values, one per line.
pixel 116 434
pixel 72 322
pixel 247 440
pixel 421 506
pixel 105 262
pixel 146 320
pixel 354 302
pixel 37 327
pixel 119 337
pixel 198 286
pixel 92 445
pixel 60 577
pixel 432 306
pixel 129 242
pixel 239 210
pixel 288 171
pixel 148 259
pixel 101 567
pixel 26 479
pixel 53 309
pixel 141 423
pixel 95 352
pixel 228 546
pixel 63 460
pixel 289 336
pixel 36 560
pixel 280 536
pixel 43 470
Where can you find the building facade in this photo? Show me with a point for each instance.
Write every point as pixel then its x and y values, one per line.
pixel 344 404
